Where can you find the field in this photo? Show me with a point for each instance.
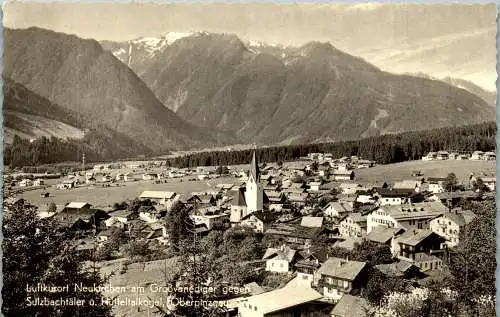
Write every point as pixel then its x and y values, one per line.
pixel 393 172
pixel 118 192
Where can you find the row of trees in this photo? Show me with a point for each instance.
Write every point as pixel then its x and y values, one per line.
pixel 382 149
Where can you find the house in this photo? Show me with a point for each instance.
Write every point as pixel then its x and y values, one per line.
pixel 341 174
pixel 149 176
pixel 203 176
pixel 490 182
pixel 120 177
pixel 312 222
pixel 308 264
pixel 387 236
pixel 151 214
pixel 364 197
pixel 90 180
pixel 259 221
pixel 280 260
pixel 443 155
pixel 401 269
pixel 167 199
pixel 314 186
pixel 77 207
pixel 489 156
pixel 291 300
pixel 337 209
pixel 66 184
pixel 298 199
pixel 421 248
pixel 392 196
pixel 340 276
pixel 345 199
pixel 121 218
pixel 349 306
pixel 408 216
pixel 202 200
pixel 454 197
pixel 408 185
pixel 349 188
pixel 430 156
pixel 477 155
pixel 450 224
pixel 104 235
pixel 106 179
pixel 81 221
pixel 128 177
pixel 353 225
pixel 38 182
pixel 436 184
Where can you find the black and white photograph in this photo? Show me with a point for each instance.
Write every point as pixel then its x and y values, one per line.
pixel 249 159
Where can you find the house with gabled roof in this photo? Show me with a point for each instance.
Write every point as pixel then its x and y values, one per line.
pixel 386 236
pixel 307 265
pixel 350 306
pixel 337 209
pixel 258 221
pixel 401 269
pixel 422 248
pixel 164 198
pixel 450 224
pixel 312 222
pixel 353 225
pixel 340 276
pixel 280 260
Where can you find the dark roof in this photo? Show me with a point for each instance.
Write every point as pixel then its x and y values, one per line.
pixel 264 216
pixel 294 230
pixel 394 192
pixel 416 236
pixel 254 168
pixel 395 269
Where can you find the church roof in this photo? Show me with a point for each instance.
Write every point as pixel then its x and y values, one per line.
pixel 254 168
pixel 239 197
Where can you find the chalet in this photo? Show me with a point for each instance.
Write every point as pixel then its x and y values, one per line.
pixel 490 182
pixel 442 155
pixel 202 200
pixel 389 196
pixel 345 199
pixel 477 155
pixel 38 182
pixel 337 209
pixel 364 197
pixel 106 179
pixel 128 177
pixel 353 225
pixel 298 199
pixel 408 216
pixel 386 236
pixel 454 197
pixel 436 184
pixel 314 186
pixel 203 176
pixel 489 156
pixel 149 176
pixel 166 199
pixel 90 180
pixel 401 269
pixel 258 221
pixel 104 235
pixel 307 265
pixel 77 207
pixel 339 276
pixel 66 184
pixel 291 300
pixel 280 260
pixel 340 175
pixel 120 177
pixel 450 224
pixel 81 221
pixel 349 188
pixel 349 306
pixel 421 247
pixel 430 156
pixel 121 218
pixel 324 170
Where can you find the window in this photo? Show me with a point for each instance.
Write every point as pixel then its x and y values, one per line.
pixel 346 284
pixel 255 308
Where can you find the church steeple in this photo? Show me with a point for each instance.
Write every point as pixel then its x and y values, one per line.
pixel 254 168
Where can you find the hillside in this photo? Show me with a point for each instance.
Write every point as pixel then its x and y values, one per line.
pixel 275 95
pixel 79 76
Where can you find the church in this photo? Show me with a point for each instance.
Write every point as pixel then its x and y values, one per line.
pixel 249 198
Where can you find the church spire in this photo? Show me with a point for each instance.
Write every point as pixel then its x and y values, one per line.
pixel 254 168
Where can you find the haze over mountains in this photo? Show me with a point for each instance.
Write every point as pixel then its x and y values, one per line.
pixel 203 89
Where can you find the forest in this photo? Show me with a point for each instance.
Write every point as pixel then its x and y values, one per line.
pixel 383 149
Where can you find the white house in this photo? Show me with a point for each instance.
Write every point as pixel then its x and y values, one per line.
pixel 477 155
pixel 279 260
pixel 436 184
pixel 336 209
pixel 406 216
pixel 449 225
pixel 167 199
pixel 38 182
pixel 26 182
pixel 353 225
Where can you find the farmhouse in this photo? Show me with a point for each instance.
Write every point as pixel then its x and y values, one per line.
pixel 339 276
pixel 353 225
pixel 66 184
pixel 280 260
pixel 420 247
pixel 166 199
pixel 450 224
pixel 340 175
pixel 337 209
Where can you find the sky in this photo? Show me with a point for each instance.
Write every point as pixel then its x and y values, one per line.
pixel 440 39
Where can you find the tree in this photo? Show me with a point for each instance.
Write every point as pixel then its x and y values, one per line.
pixel 451 182
pixel 52 208
pixel 222 170
pixel 33 253
pixel 479 186
pixel 473 261
pixel 178 224
pixel 136 249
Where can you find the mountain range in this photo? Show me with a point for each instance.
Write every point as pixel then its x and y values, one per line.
pixel 198 90
pixel 277 94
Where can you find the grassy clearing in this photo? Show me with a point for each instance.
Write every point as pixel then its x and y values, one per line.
pixel 393 172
